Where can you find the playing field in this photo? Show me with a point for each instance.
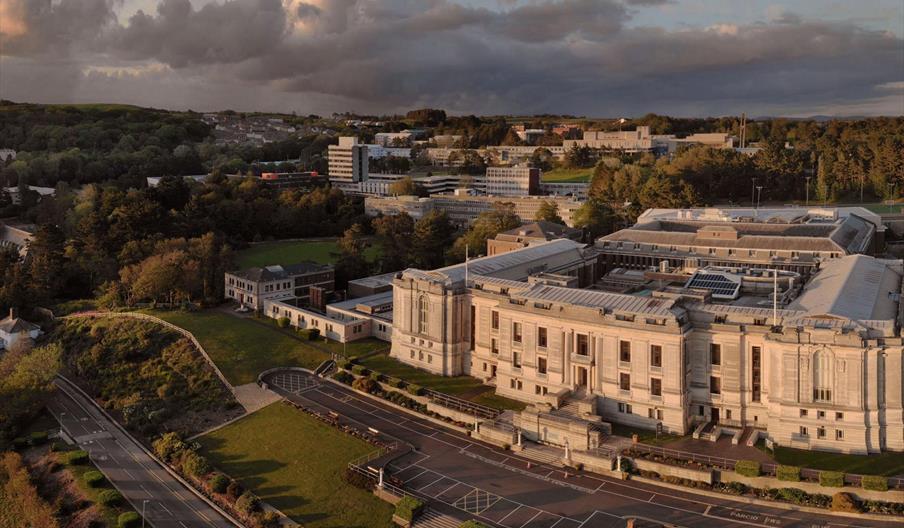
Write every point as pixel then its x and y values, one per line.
pixel 291 252
pixel 568 175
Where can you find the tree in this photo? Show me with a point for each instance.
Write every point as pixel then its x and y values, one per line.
pixel 351 263
pixel 395 233
pixel 595 217
pixel 579 157
pixel 432 235
pixel 47 262
pixel 486 226
pixel 542 159
pixel 549 211
pixel 406 187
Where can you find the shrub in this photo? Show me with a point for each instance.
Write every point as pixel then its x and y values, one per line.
pixel 344 364
pixel 57 446
pixel 234 490
pixel 93 479
pixel 282 322
pixel 20 443
pixel 831 479
pixel 365 385
pixel 357 479
pixel 248 503
pixel 218 482
pixel 472 524
pixel 747 468
pixel 416 390
pixel 128 520
pixel 360 370
pixel 845 502
pixel 397 383
pixel 788 473
pixel 794 495
pixel 37 438
pixel 169 446
pixel 77 457
pixel 269 519
pixel 874 483
pixel 311 334
pixel 344 377
pixel 408 508
pixel 195 465
pixel 376 376
pixel 110 497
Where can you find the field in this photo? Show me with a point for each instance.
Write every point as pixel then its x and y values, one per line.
pixel 887 464
pixel 568 175
pixel 295 463
pixel 462 386
pixel 291 252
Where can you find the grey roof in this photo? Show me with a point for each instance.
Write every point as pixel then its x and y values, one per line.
pixel 541 229
pixel 855 287
pixel 277 272
pixel 15 325
pixel 601 300
pixel 375 281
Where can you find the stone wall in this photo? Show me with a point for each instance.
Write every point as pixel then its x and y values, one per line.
pixel 699 475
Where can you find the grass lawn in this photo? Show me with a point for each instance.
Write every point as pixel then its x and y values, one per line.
pixel 888 464
pixel 243 348
pixel 350 350
pixel 295 463
pixel 568 175
pixel 462 386
pixel 292 252
pixel 645 436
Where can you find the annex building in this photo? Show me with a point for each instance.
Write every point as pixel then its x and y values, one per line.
pixel 809 356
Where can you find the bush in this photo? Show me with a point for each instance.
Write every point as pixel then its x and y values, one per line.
pixel 57 446
pixel 311 334
pixel 845 502
pixel 110 497
pixel 77 458
pixel 397 383
pixel 248 503
pixel 365 385
pixel 831 479
pixel 282 322
pixel 747 468
pixel 874 483
pixel 128 520
pixel 472 524
pixel 794 495
pixel 344 377
pixel 408 508
pixel 37 438
pixel 234 490
pixel 169 446
pixel 788 473
pixel 218 482
pixel 416 390
pixel 269 519
pixel 195 465
pixel 360 370
pixel 344 364
pixel 376 376
pixel 20 443
pixel 93 479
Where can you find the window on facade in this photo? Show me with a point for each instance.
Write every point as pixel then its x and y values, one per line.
pixel 516 332
pixel 839 416
pixel 715 354
pixel 494 323
pixel 656 386
pixel 803 413
pixel 429 358
pixel 423 308
pixel 624 351
pixel 655 356
pixel 715 385
pixel 820 432
pixel 624 381
pixel 728 414
pixel 822 377
pixel 756 373
pixel 659 414
pixel 494 346
pixel 803 431
pixel 420 355
pixel 583 348
pixel 412 354
pixel 541 365
pixel 839 434
pixel 516 359
pixel 541 337
pixel 821 414
pixel 621 407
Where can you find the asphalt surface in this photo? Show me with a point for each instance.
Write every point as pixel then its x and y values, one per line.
pixel 135 474
pixel 469 479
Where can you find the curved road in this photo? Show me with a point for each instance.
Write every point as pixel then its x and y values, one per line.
pixel 169 503
pixel 469 479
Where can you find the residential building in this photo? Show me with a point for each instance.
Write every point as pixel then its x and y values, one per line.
pixel 16 238
pixel 512 181
pixel 7 155
pixel 532 233
pixel 808 362
pixel 15 193
pixel 252 286
pixel 393 139
pixel 347 161
pixel 13 329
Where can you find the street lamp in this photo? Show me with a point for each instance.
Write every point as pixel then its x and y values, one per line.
pixel 753 191
pixel 62 414
pixel 143 504
pixel 808 190
pixel 759 192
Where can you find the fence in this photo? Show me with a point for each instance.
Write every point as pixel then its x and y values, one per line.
pixel 465 406
pixel 767 469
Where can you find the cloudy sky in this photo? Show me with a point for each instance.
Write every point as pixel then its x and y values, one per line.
pixel 603 58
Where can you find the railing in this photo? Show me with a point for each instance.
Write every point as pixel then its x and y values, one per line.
pixel 465 406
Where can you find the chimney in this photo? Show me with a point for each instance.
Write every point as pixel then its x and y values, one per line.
pixel 13 313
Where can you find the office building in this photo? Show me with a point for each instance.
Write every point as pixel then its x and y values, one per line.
pixel 252 286
pixel 347 161
pixel 532 233
pixel 512 181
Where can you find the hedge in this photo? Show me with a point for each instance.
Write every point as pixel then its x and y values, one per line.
pixel 344 377
pixel 408 508
pixel 218 482
pixel 747 468
pixel 416 390
pixel 344 364
pixel 110 497
pixel 128 520
pixel 831 479
pixel 360 370
pixel 94 479
pixel 310 334
pixel 397 383
pixel 282 322
pixel 874 483
pixel 788 473
pixel 20 443
pixel 37 438
pixel 472 524
pixel 376 376
pixel 77 457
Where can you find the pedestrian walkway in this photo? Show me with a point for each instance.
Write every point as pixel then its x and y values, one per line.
pixel 252 397
pixel 435 519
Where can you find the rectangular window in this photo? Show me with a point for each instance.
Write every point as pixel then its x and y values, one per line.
pixel 484 367
pixel 728 414
pixel 624 351
pixel 541 337
pixel 803 413
pixel 715 354
pixel 655 356
pixel 516 332
pixel 583 349
pixel 715 385
pixel 756 373
pixel 659 414
pixel 839 416
pixel 839 434
pixel 821 415
pixel 541 365
pixel 516 360
pixel 624 381
pixel 656 386
pixel 412 354
pixel 494 346
pixel 621 407
pixel 495 320
pixel 820 432
pixel 803 431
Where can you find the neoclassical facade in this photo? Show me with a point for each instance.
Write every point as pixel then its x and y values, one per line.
pixel 822 369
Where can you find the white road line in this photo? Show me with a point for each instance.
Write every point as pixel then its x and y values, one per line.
pixel 129 473
pixel 165 508
pixel 557 522
pixel 406 481
pixel 432 483
pixel 532 518
pixel 651 498
pixel 447 489
pixel 511 512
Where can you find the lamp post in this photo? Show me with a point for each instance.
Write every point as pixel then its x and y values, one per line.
pixel 759 192
pixel 144 503
pixel 62 414
pixel 753 191
pixel 808 191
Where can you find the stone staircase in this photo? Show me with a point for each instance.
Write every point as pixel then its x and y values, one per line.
pixel 542 453
pixel 435 519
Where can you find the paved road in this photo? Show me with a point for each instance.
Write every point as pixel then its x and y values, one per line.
pixel 137 476
pixel 469 479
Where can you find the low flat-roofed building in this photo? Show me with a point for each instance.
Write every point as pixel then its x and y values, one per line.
pixel 252 286
pixel 532 233
pixel 367 286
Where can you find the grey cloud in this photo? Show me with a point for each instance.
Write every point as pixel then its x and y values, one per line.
pixel 36 27
pixel 305 10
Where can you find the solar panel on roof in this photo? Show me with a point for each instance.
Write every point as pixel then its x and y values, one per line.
pixel 718 284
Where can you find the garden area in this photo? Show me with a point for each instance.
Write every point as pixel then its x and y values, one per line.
pixel 293 251
pixel 563 175
pixel 889 464
pixel 295 463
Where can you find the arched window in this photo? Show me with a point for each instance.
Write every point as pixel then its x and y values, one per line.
pixel 822 376
pixel 423 309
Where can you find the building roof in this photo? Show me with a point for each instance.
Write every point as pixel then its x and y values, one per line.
pixel 277 272
pixel 15 325
pixel 855 287
pixel 375 281
pixel 540 230
pixel 615 302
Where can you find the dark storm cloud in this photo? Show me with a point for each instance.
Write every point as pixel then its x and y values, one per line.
pixel 38 27
pixel 573 56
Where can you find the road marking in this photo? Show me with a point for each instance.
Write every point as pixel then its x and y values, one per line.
pixel 416 476
pixel 129 473
pixel 557 522
pixel 445 490
pixel 165 508
pixel 432 483
pixel 509 513
pixel 651 498
pixel 532 518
